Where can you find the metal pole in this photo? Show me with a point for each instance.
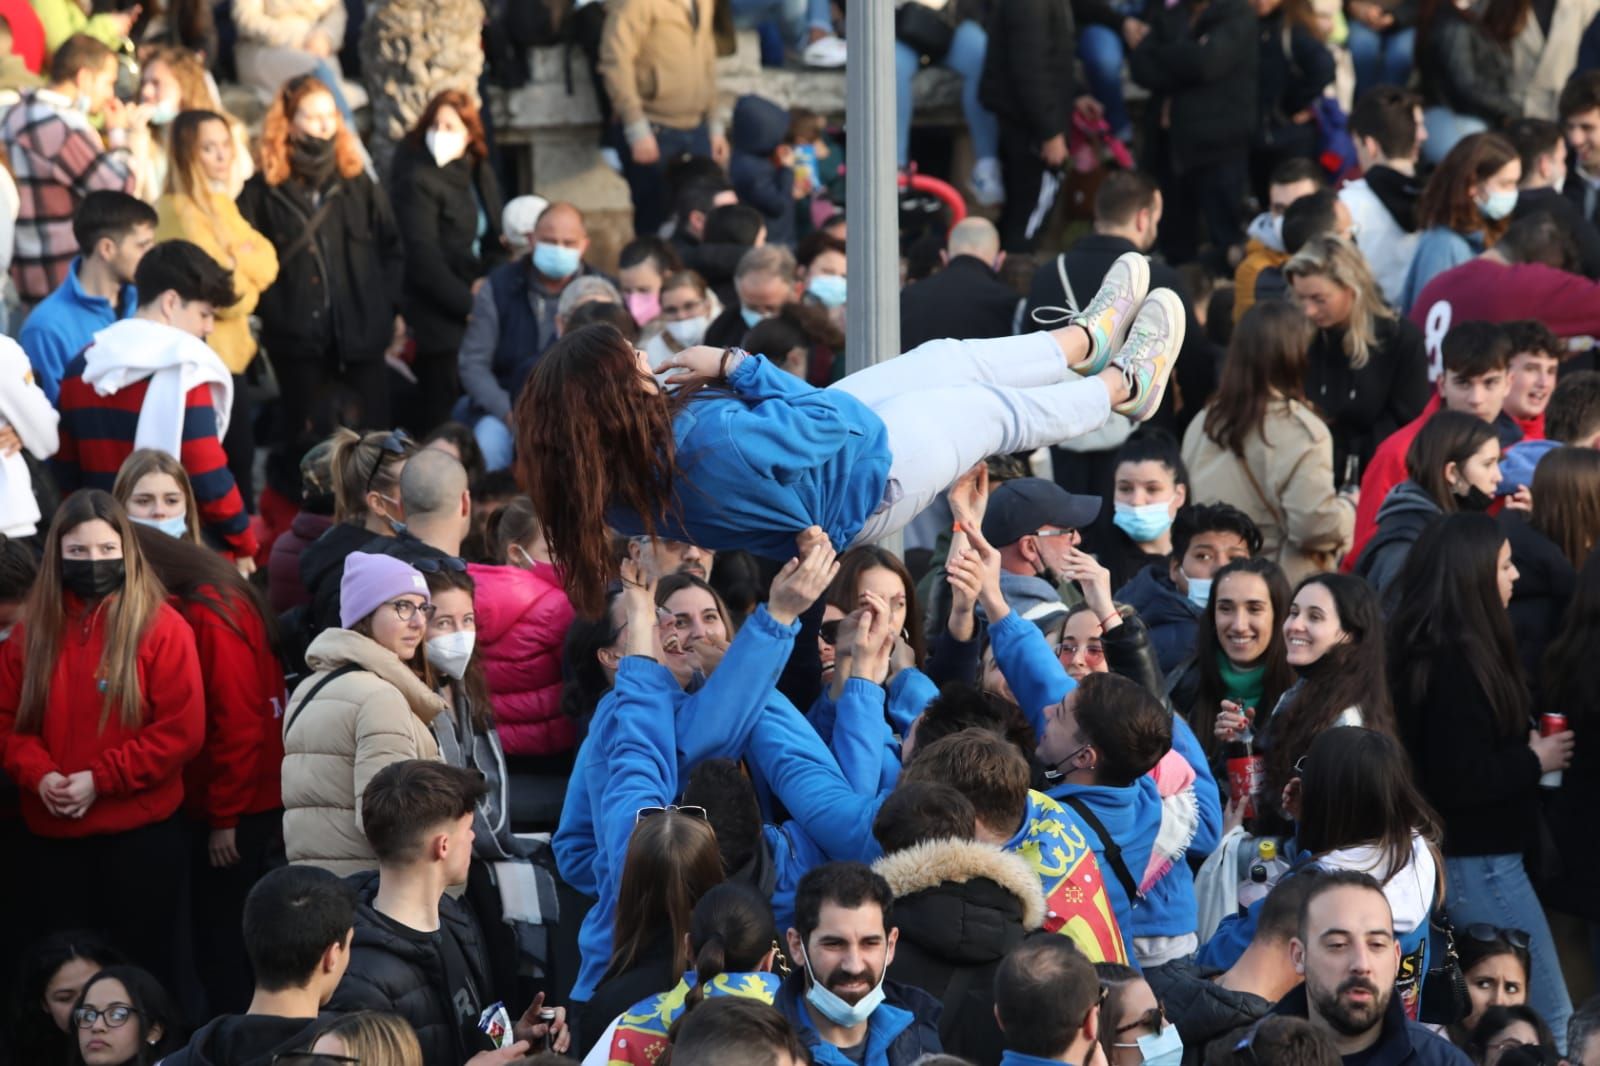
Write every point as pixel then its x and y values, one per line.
pixel 872 331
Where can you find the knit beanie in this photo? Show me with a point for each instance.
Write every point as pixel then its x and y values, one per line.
pixel 370 581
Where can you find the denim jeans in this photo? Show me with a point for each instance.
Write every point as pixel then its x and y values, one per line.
pixel 494 440
pixel 1494 889
pixel 1100 49
pixel 948 404
pixel 797 17
pixel 1380 58
pixel 1445 129
pixel 965 57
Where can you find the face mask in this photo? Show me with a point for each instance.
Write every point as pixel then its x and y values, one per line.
pixel 1163 1049
pixel 5 634
pixel 829 289
pixel 163 113
pixel 527 560
pixel 91 579
pixel 176 526
pixel 312 158
pixel 1474 499
pixel 752 319
pixel 1498 205
pixel 643 306
pixel 836 1010
pixel 554 261
pixel 82 103
pixel 446 146
pixel 1144 523
pixel 394 523
pixel 688 332
pixel 1199 591
pixel 451 652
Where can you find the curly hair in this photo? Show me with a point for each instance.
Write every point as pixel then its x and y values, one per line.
pixel 275 132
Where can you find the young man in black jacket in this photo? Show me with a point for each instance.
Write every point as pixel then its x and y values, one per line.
pixel 297 931
pixel 417 952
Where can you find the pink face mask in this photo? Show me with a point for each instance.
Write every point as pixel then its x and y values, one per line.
pixel 644 306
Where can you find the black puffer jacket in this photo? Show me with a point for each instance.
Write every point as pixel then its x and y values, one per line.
pixel 437 211
pixel 1027 78
pixel 1202 73
pixel 406 975
pixel 1465 69
pixel 336 295
pixel 1202 1010
pixel 1545 582
pixel 961 907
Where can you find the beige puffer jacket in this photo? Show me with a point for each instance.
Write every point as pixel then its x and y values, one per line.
pixel 358 724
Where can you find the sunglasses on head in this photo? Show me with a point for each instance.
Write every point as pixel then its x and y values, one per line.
pixel 830 632
pixel 650 812
pixel 1484 933
pixel 396 443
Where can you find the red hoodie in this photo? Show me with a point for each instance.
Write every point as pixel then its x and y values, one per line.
pixel 138 772
pixel 237 771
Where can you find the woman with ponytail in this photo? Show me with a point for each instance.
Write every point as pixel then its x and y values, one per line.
pixel 731 953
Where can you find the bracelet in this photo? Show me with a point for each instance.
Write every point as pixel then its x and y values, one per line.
pixel 722 366
pixel 1114 614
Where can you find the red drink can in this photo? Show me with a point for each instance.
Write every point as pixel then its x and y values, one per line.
pixel 1552 723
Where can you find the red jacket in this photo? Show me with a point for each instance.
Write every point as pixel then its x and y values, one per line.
pixel 236 772
pixel 523 617
pixel 138 772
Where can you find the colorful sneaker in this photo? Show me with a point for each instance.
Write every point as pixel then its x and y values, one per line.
pixel 1146 358
pixel 1109 315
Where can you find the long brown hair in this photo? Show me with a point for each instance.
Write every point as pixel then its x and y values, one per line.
pixel 275 133
pixel 1566 501
pixel 154 461
pixel 672 862
pixel 194 90
pixel 1208 648
pixel 197 575
pixel 363 463
pixel 466 107
pixel 1266 365
pixel 129 612
pixel 185 176
pixel 1447 198
pixel 590 437
pixel 845 592
pixel 1446 437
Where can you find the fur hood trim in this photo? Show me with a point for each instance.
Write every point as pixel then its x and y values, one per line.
pixel 934 862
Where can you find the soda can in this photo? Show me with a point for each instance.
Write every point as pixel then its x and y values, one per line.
pixel 1550 724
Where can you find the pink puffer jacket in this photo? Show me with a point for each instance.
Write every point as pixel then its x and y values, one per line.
pixel 523 617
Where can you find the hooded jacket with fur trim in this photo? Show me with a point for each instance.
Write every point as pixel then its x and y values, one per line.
pixel 961 907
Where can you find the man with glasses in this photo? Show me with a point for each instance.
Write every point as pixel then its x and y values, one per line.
pixel 298 923
pixel 1033 523
pixel 658 558
pixel 1349 955
pixel 1047 999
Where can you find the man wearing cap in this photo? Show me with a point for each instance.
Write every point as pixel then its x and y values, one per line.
pixel 1032 523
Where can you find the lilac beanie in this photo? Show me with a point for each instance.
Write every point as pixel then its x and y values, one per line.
pixel 370 581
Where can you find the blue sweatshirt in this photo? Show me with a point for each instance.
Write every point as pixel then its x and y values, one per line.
pixel 910 692
pixel 63 325
pixel 763 464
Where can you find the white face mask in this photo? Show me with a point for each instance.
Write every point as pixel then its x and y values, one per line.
pixel 688 332
pixel 450 652
pixel 446 146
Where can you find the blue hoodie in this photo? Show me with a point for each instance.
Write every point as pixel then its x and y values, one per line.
pixel 713 722
pixel 910 692
pixel 1132 815
pixel 770 460
pixel 759 127
pixel 63 325
pixel 1521 460
pixel 1173 622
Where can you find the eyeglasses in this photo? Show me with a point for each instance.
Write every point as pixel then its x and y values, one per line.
pixel 1070 648
pixel 396 443
pixel 1154 1020
pixel 1484 933
pixel 1055 532
pixel 650 812
pixel 405 610
pixel 115 1016
pixel 829 632
pixel 433 566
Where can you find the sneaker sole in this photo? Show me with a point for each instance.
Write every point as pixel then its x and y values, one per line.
pixel 1139 267
pixel 1143 407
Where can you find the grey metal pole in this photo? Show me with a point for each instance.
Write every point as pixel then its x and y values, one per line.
pixel 872 331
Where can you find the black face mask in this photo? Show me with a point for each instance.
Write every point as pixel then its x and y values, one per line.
pixel 1475 500
pixel 312 158
pixel 92 579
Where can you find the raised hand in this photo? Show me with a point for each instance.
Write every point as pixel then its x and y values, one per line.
pixel 873 640
pixel 988 557
pixel 801 582
pixel 693 365
pixel 969 496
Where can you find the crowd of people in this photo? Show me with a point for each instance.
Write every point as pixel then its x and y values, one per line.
pixel 425 639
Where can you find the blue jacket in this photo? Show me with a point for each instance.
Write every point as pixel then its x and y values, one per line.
pixel 902 1030
pixel 713 722
pixel 1521 460
pixel 1402 1042
pixel 877 751
pixel 1172 620
pixel 63 325
pixel 1439 249
pixel 769 460
pixel 759 127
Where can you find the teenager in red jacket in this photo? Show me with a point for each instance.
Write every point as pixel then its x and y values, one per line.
pixel 523 616
pixel 231 790
pixel 101 708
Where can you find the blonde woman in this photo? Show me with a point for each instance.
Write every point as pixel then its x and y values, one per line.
pixel 1367 369
pixel 371 1038
pixel 173 80
pixel 154 489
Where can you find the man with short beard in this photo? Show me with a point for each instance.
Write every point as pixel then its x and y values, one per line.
pixel 1348 953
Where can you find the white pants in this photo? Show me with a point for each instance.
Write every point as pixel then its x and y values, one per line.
pixel 948 405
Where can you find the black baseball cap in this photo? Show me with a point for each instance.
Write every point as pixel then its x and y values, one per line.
pixel 1026 505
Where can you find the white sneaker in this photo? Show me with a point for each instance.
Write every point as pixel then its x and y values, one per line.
pixel 987 188
pixel 826 52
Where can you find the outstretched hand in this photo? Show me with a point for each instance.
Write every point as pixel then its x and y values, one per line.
pixel 801 582
pixel 969 496
pixel 988 558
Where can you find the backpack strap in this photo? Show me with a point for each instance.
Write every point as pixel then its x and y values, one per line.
pixel 1066 285
pixel 347 668
pixel 1113 852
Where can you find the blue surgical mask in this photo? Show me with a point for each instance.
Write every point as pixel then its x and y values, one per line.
pixel 176 526
pixel 1199 591
pixel 836 1010
pixel 752 319
pixel 1498 205
pixel 1143 523
pixel 555 261
pixel 1163 1049
pixel 163 113
pixel 829 289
